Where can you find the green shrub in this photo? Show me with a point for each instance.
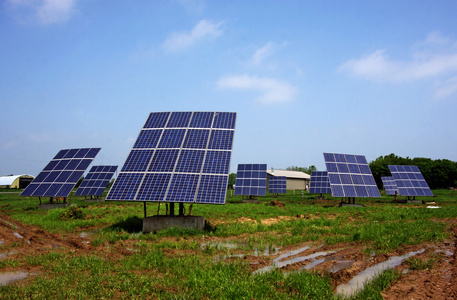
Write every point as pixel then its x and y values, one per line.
pixel 72 212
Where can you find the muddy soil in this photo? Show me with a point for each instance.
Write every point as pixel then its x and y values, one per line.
pixel 342 262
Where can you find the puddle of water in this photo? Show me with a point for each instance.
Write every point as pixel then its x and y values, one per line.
pixel 446 252
pixel 279 262
pixel 357 282
pixel 2 242
pixel 18 235
pixel 341 265
pixel 7 277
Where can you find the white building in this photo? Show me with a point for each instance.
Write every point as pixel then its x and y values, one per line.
pixel 295 180
pixel 15 181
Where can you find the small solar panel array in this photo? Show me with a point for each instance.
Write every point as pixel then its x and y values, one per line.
pixel 389 185
pixel 178 157
pixel 410 181
pixel 251 179
pixel 96 181
pixel 319 183
pixel 350 176
pixel 62 173
pixel 277 185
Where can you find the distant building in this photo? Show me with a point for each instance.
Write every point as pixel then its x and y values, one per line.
pixel 295 180
pixel 15 181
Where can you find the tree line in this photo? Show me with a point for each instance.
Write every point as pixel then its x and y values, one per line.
pixel 439 173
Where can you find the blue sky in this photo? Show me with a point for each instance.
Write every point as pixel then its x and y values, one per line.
pixel 305 77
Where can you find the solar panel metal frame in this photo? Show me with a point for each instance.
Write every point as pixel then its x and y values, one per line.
pixel 410 181
pixel 350 176
pixel 390 186
pixel 277 184
pixel 251 180
pixel 96 181
pixel 179 157
pixel 62 173
pixel 320 183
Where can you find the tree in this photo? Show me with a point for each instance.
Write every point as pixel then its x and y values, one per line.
pixel 231 180
pixel 307 170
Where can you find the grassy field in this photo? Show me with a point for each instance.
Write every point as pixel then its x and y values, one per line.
pixel 120 261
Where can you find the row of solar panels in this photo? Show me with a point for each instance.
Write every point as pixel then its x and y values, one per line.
pixel 185 157
pixel 350 176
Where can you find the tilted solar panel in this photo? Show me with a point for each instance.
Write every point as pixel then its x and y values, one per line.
pixel 410 181
pixel 178 157
pixel 389 185
pixel 319 183
pixel 62 173
pixel 350 176
pixel 251 179
pixel 96 181
pixel 277 185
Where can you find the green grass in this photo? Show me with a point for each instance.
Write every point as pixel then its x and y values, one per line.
pixel 173 264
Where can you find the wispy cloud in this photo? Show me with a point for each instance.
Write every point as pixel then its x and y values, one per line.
pixel 203 29
pixel 262 53
pixel 272 90
pixel 434 57
pixel 446 89
pixel 45 11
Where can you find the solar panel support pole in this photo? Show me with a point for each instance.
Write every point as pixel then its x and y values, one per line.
pixel 172 209
pixel 145 214
pixel 181 209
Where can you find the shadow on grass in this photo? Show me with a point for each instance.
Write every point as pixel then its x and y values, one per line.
pixel 130 225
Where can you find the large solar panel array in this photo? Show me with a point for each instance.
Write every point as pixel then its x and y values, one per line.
pixel 319 183
pixel 410 181
pixel 251 179
pixel 96 181
pixel 178 157
pixel 389 185
pixel 277 185
pixel 62 173
pixel 350 176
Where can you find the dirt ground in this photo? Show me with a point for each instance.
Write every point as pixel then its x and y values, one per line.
pixel 342 261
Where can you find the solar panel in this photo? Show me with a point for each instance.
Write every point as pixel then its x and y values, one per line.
pixel 251 179
pixel 96 181
pixel 277 185
pixel 62 173
pixel 178 157
pixel 389 185
pixel 319 183
pixel 410 181
pixel 350 176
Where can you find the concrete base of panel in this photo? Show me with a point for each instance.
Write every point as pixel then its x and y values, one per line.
pixel 256 201
pixel 54 205
pixel 342 204
pixel 156 223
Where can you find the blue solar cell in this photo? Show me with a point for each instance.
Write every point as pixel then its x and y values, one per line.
pixel 157 120
pixel 82 153
pixel 179 119
pixel 212 187
pixel 190 161
pixel 162 161
pixel 51 165
pixel 253 179
pixel 126 186
pixel 221 140
pixel 147 139
pixel 224 120
pixel 201 120
pixel 191 145
pixel 137 161
pixel 172 138
pixel 64 176
pixel 61 154
pixel 410 181
pixel 84 164
pixel 277 184
pixel 96 181
pixel 71 153
pixel 217 162
pixel 30 189
pixel 350 176
pixel 196 139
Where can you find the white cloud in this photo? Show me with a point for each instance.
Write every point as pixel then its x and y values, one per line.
pixel 446 89
pixel 262 53
pixel 181 40
pixel 379 67
pixel 273 90
pixel 434 58
pixel 45 11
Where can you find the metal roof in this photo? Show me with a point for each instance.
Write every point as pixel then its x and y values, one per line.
pixel 9 179
pixel 289 174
